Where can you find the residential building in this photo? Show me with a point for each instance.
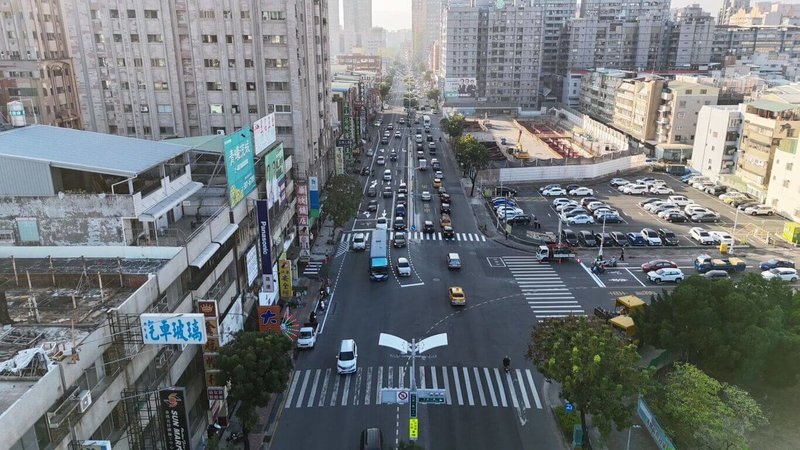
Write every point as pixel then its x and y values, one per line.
pixel 766 13
pixel 691 38
pixel 375 41
pixel 357 20
pixel 635 107
pixel 598 92
pixel 356 62
pixel 35 67
pixel 571 91
pixel 679 108
pixel 134 226
pixel 555 46
pixel 619 34
pixel 491 57
pixel 729 8
pixel 426 27
pixel 733 43
pixel 335 36
pixel 768 150
pixel 714 152
pixel 735 86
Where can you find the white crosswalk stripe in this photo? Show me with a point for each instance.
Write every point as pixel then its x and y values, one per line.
pixel 543 289
pixel 412 236
pixel 466 386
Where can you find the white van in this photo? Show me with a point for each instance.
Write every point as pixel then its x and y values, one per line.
pixel 679 200
pixel 347 357
pixel 635 189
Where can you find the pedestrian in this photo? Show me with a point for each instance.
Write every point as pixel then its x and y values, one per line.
pixel 322 305
pixel 622 254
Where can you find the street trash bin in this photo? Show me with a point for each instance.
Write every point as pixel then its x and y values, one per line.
pixel 723 248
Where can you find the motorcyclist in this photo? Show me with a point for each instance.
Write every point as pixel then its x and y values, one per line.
pixel 506 363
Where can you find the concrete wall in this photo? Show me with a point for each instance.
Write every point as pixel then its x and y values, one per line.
pixel 68 219
pixel 572 172
pixel 90 252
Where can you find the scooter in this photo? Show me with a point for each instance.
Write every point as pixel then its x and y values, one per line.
pixel 236 437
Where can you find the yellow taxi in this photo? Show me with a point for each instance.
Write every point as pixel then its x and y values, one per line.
pixel 457 297
pixel 437 183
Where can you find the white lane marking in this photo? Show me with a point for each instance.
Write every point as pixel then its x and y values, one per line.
pixel 378 385
pixel 335 390
pixel 357 386
pixel 491 388
pixel 433 377
pixel 458 386
pixel 367 386
pixel 635 277
pixel 533 388
pixel 594 277
pixel 289 396
pixel 468 387
pixel 313 392
pixel 346 390
pixel 411 285
pixel 500 388
pixel 523 392
pixel 447 385
pixel 324 388
pixel 478 386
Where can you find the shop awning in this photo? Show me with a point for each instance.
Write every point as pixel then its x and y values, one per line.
pixel 205 255
pixel 171 201
pixel 226 233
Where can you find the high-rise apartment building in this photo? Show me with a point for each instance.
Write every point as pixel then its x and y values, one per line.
pixel 357 20
pixel 335 28
pixel 729 8
pixel 690 38
pixel 426 27
pixel 716 139
pixel 619 34
pixel 555 45
pixel 635 107
pixel 732 43
pixel 492 56
pixel 598 92
pixel 35 67
pixel 678 110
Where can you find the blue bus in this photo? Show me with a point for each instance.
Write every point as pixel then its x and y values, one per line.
pixel 379 256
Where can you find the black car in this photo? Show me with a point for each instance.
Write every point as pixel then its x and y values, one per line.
pixel 372 191
pixel 447 232
pixel 606 238
pixel 667 236
pixel 429 138
pixel 571 187
pixel 445 208
pixel 399 239
pixel 620 239
pixel 522 219
pixel 393 156
pixel 569 237
pixel 503 191
pixel 775 263
pixel 365 171
pixel 400 210
pixel 372 206
pixel 399 224
pixel 587 239
pixel 427 227
pixel 387 191
pixel 675 217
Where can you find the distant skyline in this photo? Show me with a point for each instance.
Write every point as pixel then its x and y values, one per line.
pixel 391 14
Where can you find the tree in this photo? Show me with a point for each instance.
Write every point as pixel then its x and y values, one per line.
pixel 701 412
pixel 384 89
pixel 598 372
pixel 257 365
pixel 472 156
pixel 742 332
pixel 344 196
pixel 454 127
pixel 427 76
pixel 433 94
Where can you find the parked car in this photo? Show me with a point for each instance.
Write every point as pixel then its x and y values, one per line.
pixel 667 274
pixel 701 235
pixel 509 214
pixel 522 219
pixel 663 213
pixel 634 189
pixel 650 200
pixel 565 206
pixel 692 209
pixel 651 237
pixel 720 237
pixel 667 236
pixel 657 264
pixel 560 201
pixel 776 262
pixel 569 236
pixel 582 190
pixel 660 189
pixel 760 210
pixel 571 187
pixel 636 239
pixel 587 239
pixel 504 191
pixel 549 186
pixel 608 217
pixel 653 205
pixel 577 211
pixel 582 219
pixel 679 200
pixel 617 182
pixel 674 217
pixel 554 191
pixel 704 217
pixel 620 239
pixel 605 238
pixel 586 200
pixel 595 205
pixel 716 275
pixel 781 273
pixel 743 206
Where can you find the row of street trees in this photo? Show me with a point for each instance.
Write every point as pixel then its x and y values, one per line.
pixel 727 336
pixel 471 155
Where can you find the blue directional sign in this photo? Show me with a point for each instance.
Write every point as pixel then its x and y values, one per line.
pixel 569 407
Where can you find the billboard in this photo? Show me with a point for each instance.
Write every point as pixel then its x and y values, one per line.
pixel 302 219
pixel 269 319
pixel 276 176
pixel 339 162
pixel 173 328
pixel 264 132
pixel 313 195
pixel 251 262
pixel 210 311
pixel 285 278
pixel 264 244
pixel 176 419
pixel 239 166
pixel 460 88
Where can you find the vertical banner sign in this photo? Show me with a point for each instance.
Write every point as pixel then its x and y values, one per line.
pixel 269 319
pixel 339 162
pixel 251 261
pixel 302 219
pixel 275 175
pixel 264 132
pixel 265 245
pixel 211 348
pixel 313 196
pixel 172 402
pixel 285 278
pixel 239 166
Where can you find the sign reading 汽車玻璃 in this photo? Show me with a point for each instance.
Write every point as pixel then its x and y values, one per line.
pixel 175 328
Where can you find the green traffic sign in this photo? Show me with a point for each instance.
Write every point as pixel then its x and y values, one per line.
pixel 425 400
pixel 413 404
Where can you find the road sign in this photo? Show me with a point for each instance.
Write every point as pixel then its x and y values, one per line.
pixel 391 396
pixel 431 396
pixel 569 407
pixel 413 428
pixel 344 142
pixel 413 405
pixel 402 396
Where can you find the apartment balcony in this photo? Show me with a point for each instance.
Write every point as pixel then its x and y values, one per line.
pixel 666 96
pixel 664 109
pixel 663 122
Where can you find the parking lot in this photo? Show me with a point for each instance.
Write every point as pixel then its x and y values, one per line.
pixel 633 218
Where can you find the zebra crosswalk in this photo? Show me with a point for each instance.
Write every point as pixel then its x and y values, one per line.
pixel 545 292
pixel 466 386
pixel 347 237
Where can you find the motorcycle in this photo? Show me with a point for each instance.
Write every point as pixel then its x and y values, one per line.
pixel 236 437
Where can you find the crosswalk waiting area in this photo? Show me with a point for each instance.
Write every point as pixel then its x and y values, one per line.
pixel 547 295
pixel 420 236
pixel 465 386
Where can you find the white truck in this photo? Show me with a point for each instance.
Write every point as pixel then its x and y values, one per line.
pixel 307 336
pixel 423 164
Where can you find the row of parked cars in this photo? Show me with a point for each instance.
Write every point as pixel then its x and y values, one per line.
pixel 663 270
pixel 587 210
pixel 507 210
pixel 742 201
pixel 679 208
pixel 645 185
pixel 645 237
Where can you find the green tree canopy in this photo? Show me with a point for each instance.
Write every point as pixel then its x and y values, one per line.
pixel 454 126
pixel 433 94
pixel 257 365
pixel 384 89
pixel 597 370
pixel 745 331
pixel 344 196
pixel 701 412
pixel 472 156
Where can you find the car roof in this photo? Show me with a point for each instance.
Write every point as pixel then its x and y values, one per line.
pixel 456 289
pixel 402 259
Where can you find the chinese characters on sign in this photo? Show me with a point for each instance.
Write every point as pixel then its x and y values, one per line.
pixel 264 132
pixel 313 195
pixel 269 319
pixel 285 278
pixel 339 162
pixel 176 328
pixel 302 219
pixel 211 348
pixel 239 166
pixel 176 419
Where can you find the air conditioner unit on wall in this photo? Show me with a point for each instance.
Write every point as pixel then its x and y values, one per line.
pixel 85 398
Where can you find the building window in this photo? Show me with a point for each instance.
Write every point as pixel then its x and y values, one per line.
pixel 273 15
pixel 106 85
pixel 94 14
pixel 208 38
pixel 147 130
pixel 98 38
pixel 102 62
pixel 216 108
pixel 161 85
pixel 275 39
pixel 252 109
pixel 155 38
pixel 213 86
pixel 158 62
pixel 231 63
pixel 151 14
pixel 109 107
pixel 786 183
pixel 234 86
pixel 703 91
pixel 229 39
pixel 131 14
pixel 134 38
pixel 164 108
pixel 121 62
pixel 117 37
pixel 207 14
pixel 245 14
pixel 128 108
pixel 283 130
pixel 211 62
pixel 276 63
pixel 124 85
pixel 688 92
pixel 235 109
pixel 227 15
pixel 249 63
pixel 166 130
pixel 271 108
pixel 277 85
pixel 113 13
pixel 247 38
pixel 789 166
pixel 137 62
pixel 131 130
pixel 251 85
pixel 144 108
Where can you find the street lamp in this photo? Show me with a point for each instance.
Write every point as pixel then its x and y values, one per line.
pixel 733 232
pixel 602 233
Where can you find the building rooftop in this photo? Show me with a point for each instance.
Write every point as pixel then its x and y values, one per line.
pixel 86 151
pixel 772 105
pixel 211 143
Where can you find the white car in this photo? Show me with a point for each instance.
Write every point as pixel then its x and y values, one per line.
pixel 651 237
pixel 662 190
pixel 634 189
pixel 549 186
pixel 439 174
pixel 403 267
pixel 426 196
pixel 616 182
pixel 560 201
pixel 653 205
pixel 671 210
pixel 783 273
pixel 504 209
pixel 510 214
pixel 580 220
pixel 721 237
pixel 679 200
pixel 347 357
pixel 381 161
pixel 693 208
pixel 760 210
pixel 554 191
pixel 564 206
pixel 700 235
pixel 583 190
pixel 665 274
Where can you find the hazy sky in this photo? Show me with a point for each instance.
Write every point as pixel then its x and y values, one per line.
pixel 391 14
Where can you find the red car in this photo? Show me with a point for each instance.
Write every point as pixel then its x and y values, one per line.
pixel 658 264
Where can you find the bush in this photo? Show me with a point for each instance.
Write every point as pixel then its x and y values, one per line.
pixel 566 421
